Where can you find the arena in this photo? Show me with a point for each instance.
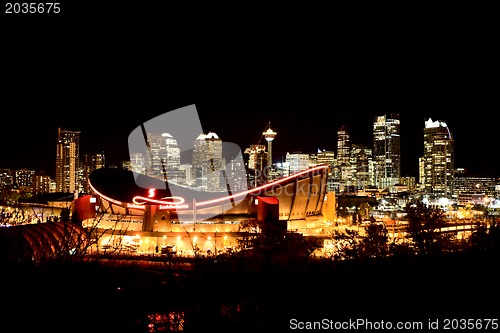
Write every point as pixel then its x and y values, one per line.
pixel 166 218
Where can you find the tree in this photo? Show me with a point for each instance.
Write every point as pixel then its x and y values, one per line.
pixel 65 215
pixel 484 238
pixel 424 224
pixel 251 231
pixel 346 245
pixel 375 243
pixel 9 197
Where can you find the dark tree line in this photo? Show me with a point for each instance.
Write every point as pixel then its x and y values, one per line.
pixel 423 236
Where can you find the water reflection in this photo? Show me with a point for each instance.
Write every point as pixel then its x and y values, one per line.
pixel 166 322
pixel 234 317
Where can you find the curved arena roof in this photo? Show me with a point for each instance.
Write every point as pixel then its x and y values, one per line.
pixel 300 194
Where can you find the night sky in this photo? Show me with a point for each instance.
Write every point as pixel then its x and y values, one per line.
pixel 306 85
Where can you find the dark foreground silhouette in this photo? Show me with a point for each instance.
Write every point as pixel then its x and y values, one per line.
pixel 245 294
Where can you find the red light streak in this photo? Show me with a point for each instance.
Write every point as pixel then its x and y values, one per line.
pixel 116 202
pixel 180 200
pixel 262 187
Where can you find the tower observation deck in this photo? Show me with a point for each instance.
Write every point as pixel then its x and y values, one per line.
pixel 269 135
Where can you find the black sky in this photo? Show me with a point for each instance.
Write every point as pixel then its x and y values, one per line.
pixel 306 81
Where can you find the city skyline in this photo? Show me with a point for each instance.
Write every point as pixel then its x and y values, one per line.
pixel 307 97
pixel 105 126
pixel 305 70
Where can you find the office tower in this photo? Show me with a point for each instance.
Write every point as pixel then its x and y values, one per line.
pixel 343 147
pixel 67 160
pixel 90 162
pixel 256 164
pixel 256 156
pixel 23 179
pixel 325 157
pixel 40 183
pixel 297 161
pixel 328 158
pixel 188 179
pixel 235 174
pixel 474 190
pixel 421 172
pixel 360 161
pixel 410 183
pixel 386 150
pixel 137 163
pixel 343 175
pixel 207 161
pixel 269 135
pixel 164 157
pixel 439 159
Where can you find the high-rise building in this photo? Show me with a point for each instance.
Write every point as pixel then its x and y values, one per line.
pixel 439 159
pixel 361 160
pixel 343 147
pixel 67 160
pixel 40 183
pixel 164 157
pixel 343 174
pixel 23 178
pixel 256 164
pixel 207 161
pixel 89 163
pixel 297 161
pixel 466 188
pixel 387 150
pixel 326 157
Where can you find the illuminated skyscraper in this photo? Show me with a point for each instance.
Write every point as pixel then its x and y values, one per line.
pixel 438 160
pixel 342 172
pixel 361 160
pixel 207 161
pixel 256 163
pixel 67 160
pixel 386 150
pixel 328 158
pixel 343 147
pixel 89 163
pixel 165 156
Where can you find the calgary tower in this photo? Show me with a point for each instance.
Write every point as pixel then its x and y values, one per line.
pixel 269 134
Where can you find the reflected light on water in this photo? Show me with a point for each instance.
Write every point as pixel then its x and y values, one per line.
pixel 166 322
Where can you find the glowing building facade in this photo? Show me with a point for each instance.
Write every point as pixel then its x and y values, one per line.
pixel 212 220
pixel 207 161
pixel 343 147
pixel 387 150
pixel 67 160
pixel 438 159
